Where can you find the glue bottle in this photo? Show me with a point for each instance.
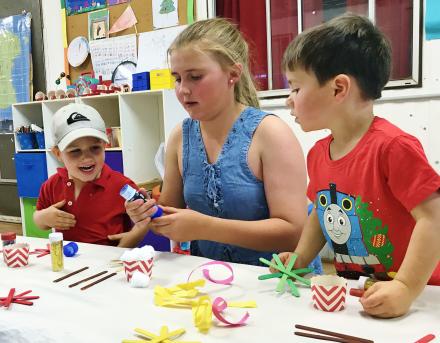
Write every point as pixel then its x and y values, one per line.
pixel 365 282
pixel 130 194
pixel 56 251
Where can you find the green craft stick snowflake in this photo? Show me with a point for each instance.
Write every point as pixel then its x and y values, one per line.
pixel 284 273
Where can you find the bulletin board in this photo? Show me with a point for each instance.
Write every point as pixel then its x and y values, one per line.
pixel 77 25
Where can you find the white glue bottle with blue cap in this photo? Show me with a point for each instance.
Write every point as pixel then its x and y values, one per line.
pixel 130 194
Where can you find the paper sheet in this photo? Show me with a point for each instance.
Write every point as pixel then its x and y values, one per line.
pixel 165 13
pixel 148 58
pixel 108 53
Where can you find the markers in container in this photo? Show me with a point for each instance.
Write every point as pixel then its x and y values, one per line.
pixel 56 251
pixel 8 238
pixel 130 194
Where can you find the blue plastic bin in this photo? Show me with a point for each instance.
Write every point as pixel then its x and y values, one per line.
pixel 39 136
pixel 26 140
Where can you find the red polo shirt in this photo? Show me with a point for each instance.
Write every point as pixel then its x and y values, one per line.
pixel 99 209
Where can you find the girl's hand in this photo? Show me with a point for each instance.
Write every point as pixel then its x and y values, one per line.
pixel 53 217
pixel 179 224
pixel 387 299
pixel 140 211
pixel 284 257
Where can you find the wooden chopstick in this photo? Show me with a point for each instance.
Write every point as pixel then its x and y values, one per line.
pixel 71 274
pixel 98 281
pixel 87 279
pixel 331 333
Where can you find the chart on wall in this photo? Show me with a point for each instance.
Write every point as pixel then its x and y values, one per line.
pixel 15 79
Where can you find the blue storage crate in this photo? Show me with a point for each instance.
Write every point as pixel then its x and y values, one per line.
pixel 114 160
pixel 31 171
pixel 141 81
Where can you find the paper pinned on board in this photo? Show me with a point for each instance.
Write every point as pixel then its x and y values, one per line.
pixel 165 13
pixel 150 59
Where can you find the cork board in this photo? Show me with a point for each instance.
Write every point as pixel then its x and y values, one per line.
pixel 77 25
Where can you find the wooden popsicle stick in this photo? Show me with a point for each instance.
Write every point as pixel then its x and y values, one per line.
pixel 70 274
pixel 98 281
pixel 87 279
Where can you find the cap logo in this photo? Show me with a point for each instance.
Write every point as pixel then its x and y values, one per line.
pixel 75 116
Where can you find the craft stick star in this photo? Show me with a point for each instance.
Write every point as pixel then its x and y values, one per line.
pixel 41 252
pixel 21 298
pixel 165 336
pixel 284 273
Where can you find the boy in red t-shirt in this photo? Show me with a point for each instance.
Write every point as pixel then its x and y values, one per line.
pixel 377 201
pixel 83 198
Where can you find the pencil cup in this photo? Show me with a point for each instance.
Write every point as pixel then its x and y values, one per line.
pixel 145 267
pixel 328 292
pixel 16 255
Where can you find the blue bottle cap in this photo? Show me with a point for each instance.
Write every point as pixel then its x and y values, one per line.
pixel 70 249
pixel 158 212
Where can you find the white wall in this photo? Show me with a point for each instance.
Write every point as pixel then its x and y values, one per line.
pixel 415 110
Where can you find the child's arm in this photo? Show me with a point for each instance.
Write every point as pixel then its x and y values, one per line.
pixel 53 217
pixel 394 298
pixel 310 244
pixel 132 238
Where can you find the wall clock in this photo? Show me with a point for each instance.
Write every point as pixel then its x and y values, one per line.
pixel 78 51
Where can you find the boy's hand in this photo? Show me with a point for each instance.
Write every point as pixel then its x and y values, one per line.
pixel 56 218
pixel 387 299
pixel 284 257
pixel 130 239
pixel 140 211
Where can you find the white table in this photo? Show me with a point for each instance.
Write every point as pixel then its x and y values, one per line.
pixel 109 311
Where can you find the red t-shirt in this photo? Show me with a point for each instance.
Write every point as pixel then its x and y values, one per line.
pixel 99 209
pixel 363 200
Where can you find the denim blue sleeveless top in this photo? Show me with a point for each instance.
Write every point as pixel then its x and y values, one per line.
pixel 227 188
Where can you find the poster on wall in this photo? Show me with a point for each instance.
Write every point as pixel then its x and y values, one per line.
pixel 116 2
pixel 149 59
pixel 165 13
pixel 108 53
pixel 15 67
pixel 81 6
pixel 98 24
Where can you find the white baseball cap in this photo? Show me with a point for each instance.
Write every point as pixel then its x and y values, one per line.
pixel 76 121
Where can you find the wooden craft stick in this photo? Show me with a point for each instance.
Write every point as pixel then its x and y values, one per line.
pixel 87 279
pixel 71 274
pixel 98 281
pixel 334 334
pixel 10 297
pixel 324 338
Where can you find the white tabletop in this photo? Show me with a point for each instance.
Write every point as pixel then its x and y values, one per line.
pixel 109 311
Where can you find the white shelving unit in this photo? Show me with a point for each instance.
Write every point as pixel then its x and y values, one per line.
pixel 146 119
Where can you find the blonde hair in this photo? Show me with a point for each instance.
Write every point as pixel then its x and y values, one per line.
pixel 222 40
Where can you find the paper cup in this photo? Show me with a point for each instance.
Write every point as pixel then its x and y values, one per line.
pixel 329 292
pixel 16 255
pixel 145 267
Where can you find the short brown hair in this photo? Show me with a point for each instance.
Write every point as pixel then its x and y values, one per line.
pixel 349 44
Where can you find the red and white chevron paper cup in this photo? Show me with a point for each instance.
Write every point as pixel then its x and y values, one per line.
pixel 16 255
pixel 145 267
pixel 328 292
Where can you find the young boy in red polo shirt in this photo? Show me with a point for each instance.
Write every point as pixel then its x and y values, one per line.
pixel 377 199
pixel 82 199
